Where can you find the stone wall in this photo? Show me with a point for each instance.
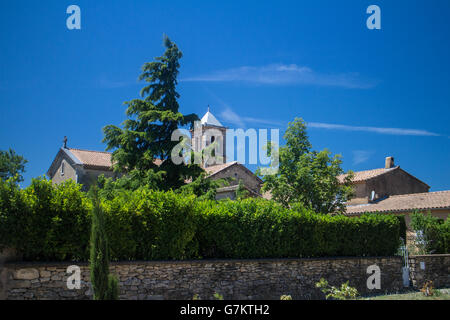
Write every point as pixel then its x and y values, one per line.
pixel 234 279
pixel 430 267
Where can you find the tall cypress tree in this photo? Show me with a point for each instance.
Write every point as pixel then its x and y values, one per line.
pixel 104 285
pixel 146 134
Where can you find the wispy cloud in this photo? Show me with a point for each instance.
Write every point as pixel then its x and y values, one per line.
pixel 360 156
pixel 391 131
pixel 279 74
pixel 230 116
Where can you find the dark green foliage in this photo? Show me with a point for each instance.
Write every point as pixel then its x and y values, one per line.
pixel 146 134
pixel 11 165
pixel 433 233
pixel 104 285
pixel 403 227
pixel 53 223
pixel 113 288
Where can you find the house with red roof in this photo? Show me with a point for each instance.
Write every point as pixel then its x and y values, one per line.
pixel 392 190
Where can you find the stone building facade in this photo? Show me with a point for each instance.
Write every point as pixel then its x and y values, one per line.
pixel 81 166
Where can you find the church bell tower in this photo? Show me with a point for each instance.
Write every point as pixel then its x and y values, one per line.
pixel 210 131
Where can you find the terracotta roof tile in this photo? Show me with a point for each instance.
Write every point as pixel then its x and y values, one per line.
pixel 212 170
pixel 405 202
pixel 97 159
pixel 93 159
pixel 366 175
pixel 219 167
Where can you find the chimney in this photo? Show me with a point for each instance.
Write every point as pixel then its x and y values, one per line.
pixel 389 163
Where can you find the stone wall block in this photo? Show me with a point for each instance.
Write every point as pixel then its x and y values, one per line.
pixel 26 274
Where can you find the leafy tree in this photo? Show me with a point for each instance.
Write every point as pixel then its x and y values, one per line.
pixel 11 165
pixel 146 134
pixel 241 192
pixel 203 187
pixel 104 285
pixel 135 179
pixel 306 177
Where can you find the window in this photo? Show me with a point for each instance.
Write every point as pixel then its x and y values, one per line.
pixel 62 168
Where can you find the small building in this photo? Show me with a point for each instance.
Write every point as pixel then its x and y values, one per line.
pixel 81 166
pixel 392 190
pixel 376 184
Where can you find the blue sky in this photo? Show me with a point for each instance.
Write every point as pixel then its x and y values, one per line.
pixel 366 94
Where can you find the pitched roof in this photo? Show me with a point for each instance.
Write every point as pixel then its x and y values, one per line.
pixel 367 174
pixel 405 202
pixel 89 159
pixel 93 159
pixel 209 119
pixel 212 170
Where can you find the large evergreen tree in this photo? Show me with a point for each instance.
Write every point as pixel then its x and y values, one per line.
pixel 305 176
pixel 146 134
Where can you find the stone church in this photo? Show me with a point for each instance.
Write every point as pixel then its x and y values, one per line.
pixel 84 166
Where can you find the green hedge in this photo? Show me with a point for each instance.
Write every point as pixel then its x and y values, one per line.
pixel 47 222
pixel 258 228
pixel 44 222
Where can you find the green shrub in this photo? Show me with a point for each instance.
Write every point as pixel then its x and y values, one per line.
pixel 256 228
pixel 148 225
pixel 433 234
pixel 47 222
pixel 14 216
pixel 345 292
